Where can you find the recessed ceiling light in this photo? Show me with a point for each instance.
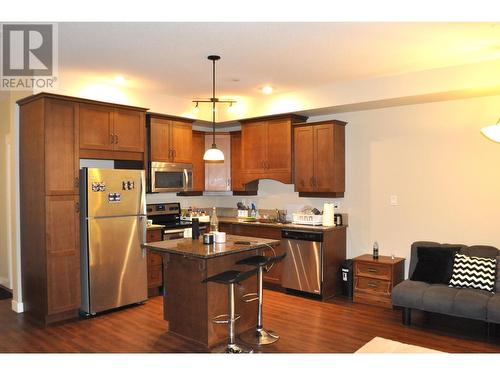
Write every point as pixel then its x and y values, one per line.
pixel 267 90
pixel 119 80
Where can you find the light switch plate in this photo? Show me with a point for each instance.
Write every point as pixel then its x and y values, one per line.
pixel 394 200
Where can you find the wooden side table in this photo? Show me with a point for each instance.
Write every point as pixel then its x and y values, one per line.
pixel 375 278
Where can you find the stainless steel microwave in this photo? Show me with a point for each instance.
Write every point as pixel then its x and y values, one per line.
pixel 167 177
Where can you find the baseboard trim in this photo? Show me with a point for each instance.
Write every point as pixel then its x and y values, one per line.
pixel 18 307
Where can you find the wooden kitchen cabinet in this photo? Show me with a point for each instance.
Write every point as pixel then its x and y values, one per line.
pixel 266 148
pixel 198 162
pixel 218 174
pixel 154 263
pixel 61 147
pixel 237 186
pixel 319 159
pixel 50 226
pixel 171 139
pixel 109 128
pixel 63 253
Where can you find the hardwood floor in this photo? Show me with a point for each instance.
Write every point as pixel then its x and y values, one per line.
pixel 305 326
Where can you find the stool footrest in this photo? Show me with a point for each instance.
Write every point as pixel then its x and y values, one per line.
pixel 250 297
pixel 224 319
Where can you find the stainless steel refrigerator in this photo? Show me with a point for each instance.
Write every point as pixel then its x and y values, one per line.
pixel 113 227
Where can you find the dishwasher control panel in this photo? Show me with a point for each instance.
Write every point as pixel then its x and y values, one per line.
pixel 302 235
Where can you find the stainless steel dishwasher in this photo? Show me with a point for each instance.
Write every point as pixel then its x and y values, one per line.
pixel 303 264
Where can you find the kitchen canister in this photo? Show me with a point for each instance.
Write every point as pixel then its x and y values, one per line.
pixel 328 215
pixel 220 237
pixel 208 238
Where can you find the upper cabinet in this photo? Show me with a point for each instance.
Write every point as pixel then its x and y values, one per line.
pixel 319 159
pixel 61 147
pixel 171 139
pixel 110 128
pixel 238 187
pixel 198 162
pixel 266 148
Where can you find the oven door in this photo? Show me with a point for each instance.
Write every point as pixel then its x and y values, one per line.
pixel 173 234
pixel 172 177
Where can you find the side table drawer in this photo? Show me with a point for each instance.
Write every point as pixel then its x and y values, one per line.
pixel 365 284
pixel 373 270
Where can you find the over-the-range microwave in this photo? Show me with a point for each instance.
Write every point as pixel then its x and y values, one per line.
pixel 170 177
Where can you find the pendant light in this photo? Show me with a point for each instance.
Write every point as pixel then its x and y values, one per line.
pixel 492 132
pixel 213 154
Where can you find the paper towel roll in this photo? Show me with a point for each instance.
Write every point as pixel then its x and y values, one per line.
pixel 328 215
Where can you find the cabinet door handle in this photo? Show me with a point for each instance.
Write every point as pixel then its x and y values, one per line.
pixel 372 270
pixel 174 152
pixel 372 284
pixel 170 154
pixel 116 139
pixel 77 207
pixel 111 139
pixel 77 182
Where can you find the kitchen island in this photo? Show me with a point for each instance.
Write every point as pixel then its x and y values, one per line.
pixel 190 305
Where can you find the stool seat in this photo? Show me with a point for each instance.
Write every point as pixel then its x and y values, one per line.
pixel 230 277
pixel 261 260
pixel 256 260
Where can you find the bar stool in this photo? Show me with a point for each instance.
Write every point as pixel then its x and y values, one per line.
pixel 230 278
pixel 260 336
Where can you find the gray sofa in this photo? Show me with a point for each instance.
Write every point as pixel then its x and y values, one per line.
pixel 440 298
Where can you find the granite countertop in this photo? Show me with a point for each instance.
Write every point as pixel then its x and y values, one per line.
pixel 317 228
pixel 197 249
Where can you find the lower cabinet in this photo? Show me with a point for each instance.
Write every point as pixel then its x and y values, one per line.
pixel 155 264
pixel 63 254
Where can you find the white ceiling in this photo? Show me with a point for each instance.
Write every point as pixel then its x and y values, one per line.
pixel 171 57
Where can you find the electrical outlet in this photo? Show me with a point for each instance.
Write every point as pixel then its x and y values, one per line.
pixel 394 200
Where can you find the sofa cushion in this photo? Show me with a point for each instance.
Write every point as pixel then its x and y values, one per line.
pixel 409 293
pixel 493 309
pixel 434 264
pixel 474 272
pixel 480 251
pixel 471 303
pixel 417 244
pixel 439 298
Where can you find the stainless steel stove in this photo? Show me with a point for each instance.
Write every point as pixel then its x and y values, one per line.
pixel 169 215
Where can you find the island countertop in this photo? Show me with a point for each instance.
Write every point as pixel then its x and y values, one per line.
pixel 197 249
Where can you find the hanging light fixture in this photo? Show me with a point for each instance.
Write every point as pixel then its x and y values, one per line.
pixel 492 132
pixel 213 153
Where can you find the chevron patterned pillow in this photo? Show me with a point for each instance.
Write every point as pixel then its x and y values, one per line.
pixel 474 272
